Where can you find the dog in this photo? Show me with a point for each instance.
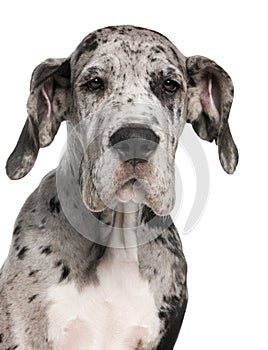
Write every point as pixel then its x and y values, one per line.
pixel 96 262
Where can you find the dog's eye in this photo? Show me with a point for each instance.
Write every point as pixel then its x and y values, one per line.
pixel 95 84
pixel 171 86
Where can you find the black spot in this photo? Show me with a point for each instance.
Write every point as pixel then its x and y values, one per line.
pixel 58 103
pixel 174 53
pixel 98 215
pixel 47 250
pixel 161 240
pixel 130 100
pixel 58 263
pixel 1 338
pixel 156 50
pixel 33 273
pixel 152 220
pixel 147 214
pixel 65 273
pixel 16 243
pixel 162 315
pixel 161 48
pixel 30 299
pixel 21 253
pixel 112 29
pixel 54 205
pixel 17 230
pixel 87 45
pixel 171 71
pixel 191 82
pixel 33 210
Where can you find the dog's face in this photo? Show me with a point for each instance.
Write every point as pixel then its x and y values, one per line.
pixel 131 90
pixel 128 92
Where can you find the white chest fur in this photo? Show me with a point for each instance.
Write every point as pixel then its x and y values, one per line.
pixel 117 314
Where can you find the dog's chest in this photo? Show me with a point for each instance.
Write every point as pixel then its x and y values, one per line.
pixel 118 313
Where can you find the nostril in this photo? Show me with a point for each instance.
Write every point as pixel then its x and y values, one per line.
pixel 121 135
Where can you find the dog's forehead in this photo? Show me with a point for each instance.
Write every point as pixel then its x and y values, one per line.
pixel 129 42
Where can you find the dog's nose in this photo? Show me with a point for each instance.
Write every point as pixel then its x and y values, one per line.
pixel 134 143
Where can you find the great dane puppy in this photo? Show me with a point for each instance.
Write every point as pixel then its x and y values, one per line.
pixel 96 262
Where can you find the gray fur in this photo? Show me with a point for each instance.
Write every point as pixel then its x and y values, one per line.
pixel 46 250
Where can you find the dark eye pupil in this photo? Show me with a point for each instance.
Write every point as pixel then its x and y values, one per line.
pixel 170 85
pixel 95 84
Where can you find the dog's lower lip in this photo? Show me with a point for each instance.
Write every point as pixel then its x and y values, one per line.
pixel 131 190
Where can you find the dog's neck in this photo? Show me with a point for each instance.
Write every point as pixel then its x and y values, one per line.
pixel 127 215
pixel 130 225
pixel 123 222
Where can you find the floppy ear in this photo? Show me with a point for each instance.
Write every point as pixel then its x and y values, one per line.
pixel 47 107
pixel 210 96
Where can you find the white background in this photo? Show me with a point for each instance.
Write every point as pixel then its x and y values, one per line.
pixel 227 250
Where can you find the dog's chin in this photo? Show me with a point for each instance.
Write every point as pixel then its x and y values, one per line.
pixel 136 192
pixel 129 194
pixel 131 191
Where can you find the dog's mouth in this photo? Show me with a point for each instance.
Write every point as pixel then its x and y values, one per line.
pixel 133 180
pixel 132 190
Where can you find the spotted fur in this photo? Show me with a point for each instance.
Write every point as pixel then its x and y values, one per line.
pixel 48 256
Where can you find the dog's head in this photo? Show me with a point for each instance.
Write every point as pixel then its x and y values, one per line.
pixel 129 92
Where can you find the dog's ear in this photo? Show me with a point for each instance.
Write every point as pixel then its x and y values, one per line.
pixel 47 107
pixel 209 99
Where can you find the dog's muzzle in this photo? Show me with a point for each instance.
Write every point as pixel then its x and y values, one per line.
pixel 129 161
pixel 135 146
